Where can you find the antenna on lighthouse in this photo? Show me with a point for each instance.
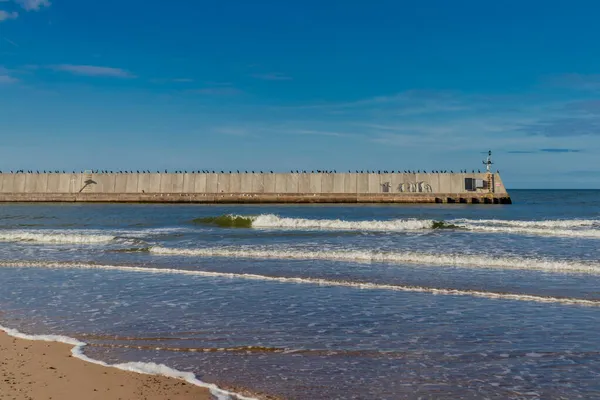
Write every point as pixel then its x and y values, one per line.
pixel 488 163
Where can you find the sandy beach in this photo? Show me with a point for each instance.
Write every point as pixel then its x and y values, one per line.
pixel 36 370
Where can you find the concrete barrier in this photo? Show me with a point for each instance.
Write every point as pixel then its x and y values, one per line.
pixel 352 186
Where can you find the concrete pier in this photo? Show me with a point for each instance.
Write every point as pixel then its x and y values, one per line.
pixel 255 188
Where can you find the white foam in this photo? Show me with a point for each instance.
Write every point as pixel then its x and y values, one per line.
pixel 561 228
pixel 444 259
pixel 41 236
pixel 138 367
pixel 556 223
pixel 311 281
pixel 274 221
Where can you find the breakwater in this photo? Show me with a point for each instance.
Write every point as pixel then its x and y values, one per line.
pixel 254 187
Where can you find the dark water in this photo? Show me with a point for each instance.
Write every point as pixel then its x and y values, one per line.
pixel 323 302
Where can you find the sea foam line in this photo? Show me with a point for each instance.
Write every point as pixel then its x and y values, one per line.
pixel 553 223
pixel 457 260
pixel 310 281
pixel 138 367
pixel 53 237
pixel 274 221
pixel 561 228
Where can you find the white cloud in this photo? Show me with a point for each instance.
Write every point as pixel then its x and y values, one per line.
pixel 91 70
pixel 33 5
pixel 5 15
pixel 6 79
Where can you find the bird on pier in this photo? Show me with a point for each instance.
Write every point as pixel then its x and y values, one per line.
pixel 478 171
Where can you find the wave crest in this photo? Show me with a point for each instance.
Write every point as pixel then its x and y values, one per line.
pixel 456 260
pixel 310 281
pixel 54 237
pixel 579 228
pixel 266 221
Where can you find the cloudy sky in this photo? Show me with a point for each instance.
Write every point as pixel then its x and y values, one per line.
pixel 303 84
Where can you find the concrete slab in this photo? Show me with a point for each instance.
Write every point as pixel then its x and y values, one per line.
pixel 258 183
pixel 374 186
pixel 105 183
pixel 19 183
pixel 200 183
pixel 30 181
pixel 131 182
pixel 189 180
pixel 65 182
pixel 121 183
pixel 53 183
pixel 444 183
pixel 246 183
pixel 166 183
pixel 223 183
pixel 362 183
pixel 281 182
pixel 315 183
pixel 291 184
pixel 212 181
pixel 235 183
pixel 327 183
pixel 350 183
pixel 177 181
pixel 41 183
pixel 7 183
pixel 155 183
pixel 269 182
pixel 338 183
pixel 304 183
pixel 143 185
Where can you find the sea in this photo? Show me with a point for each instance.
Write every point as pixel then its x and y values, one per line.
pixel 436 301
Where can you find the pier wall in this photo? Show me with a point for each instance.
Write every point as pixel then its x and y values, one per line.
pixel 144 186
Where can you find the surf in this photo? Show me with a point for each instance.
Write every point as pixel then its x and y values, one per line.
pixel 307 281
pixel 394 257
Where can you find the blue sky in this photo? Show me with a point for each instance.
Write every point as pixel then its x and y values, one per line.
pixel 280 85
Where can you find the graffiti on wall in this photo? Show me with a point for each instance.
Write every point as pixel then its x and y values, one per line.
pixel 409 187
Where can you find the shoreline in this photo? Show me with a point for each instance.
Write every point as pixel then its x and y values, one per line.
pixel 54 367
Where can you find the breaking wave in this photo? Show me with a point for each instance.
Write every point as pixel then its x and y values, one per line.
pixel 54 237
pixel 147 368
pixel 456 260
pixel 275 221
pixel 309 281
pixel 579 228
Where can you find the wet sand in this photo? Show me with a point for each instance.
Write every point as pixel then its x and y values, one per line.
pixel 36 370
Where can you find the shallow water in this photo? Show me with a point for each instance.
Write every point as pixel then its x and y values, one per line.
pixel 322 302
